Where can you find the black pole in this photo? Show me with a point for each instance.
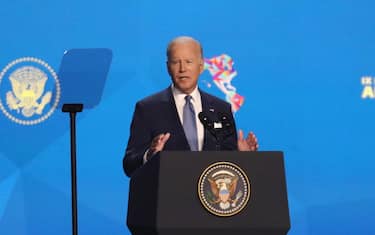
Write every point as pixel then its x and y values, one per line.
pixel 73 109
pixel 73 163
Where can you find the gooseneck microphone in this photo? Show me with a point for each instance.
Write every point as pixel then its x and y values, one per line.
pixel 220 125
pixel 227 123
pixel 207 122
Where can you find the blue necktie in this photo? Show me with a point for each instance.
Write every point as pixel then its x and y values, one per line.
pixel 189 123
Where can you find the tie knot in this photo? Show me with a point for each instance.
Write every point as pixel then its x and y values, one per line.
pixel 188 98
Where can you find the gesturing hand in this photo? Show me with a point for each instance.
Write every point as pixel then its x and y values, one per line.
pixel 248 144
pixel 157 144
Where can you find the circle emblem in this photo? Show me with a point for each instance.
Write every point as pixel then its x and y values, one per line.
pixel 224 189
pixel 26 91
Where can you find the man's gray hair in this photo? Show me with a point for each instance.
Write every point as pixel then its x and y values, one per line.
pixel 183 39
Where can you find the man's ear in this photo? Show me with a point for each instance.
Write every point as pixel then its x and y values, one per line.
pixel 201 66
pixel 169 71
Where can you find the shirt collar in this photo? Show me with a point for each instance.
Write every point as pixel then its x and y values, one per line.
pixel 179 95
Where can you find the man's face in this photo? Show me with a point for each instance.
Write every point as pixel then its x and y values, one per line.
pixel 185 64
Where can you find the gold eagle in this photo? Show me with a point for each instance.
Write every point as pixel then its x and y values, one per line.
pixel 28 85
pixel 216 186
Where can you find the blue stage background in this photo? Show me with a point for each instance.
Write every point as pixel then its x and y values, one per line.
pixel 300 66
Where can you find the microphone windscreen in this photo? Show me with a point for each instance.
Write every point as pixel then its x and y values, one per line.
pixel 206 120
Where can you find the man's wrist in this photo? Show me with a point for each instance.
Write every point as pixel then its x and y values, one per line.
pixel 145 156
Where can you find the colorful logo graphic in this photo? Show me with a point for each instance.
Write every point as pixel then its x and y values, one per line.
pixel 222 71
pixel 224 189
pixel 368 84
pixel 26 86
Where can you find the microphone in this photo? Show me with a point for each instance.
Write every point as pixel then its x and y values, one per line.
pixel 207 122
pixel 219 124
pixel 227 123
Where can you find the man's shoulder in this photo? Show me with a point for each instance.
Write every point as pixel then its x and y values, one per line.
pixel 163 95
pixel 166 95
pixel 213 99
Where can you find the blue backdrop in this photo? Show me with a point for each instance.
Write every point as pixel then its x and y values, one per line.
pixel 306 70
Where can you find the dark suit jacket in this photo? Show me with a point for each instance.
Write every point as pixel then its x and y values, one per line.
pixel 158 114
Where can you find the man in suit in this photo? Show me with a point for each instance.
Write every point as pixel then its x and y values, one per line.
pixel 168 120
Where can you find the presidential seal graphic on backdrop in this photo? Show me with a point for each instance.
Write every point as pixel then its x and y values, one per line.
pixel 224 189
pixel 26 91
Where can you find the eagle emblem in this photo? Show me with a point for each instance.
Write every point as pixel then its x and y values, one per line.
pixel 26 89
pixel 224 189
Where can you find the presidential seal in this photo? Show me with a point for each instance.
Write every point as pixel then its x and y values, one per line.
pixel 29 91
pixel 224 189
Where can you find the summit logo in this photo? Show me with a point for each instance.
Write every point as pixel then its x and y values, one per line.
pixel 368 91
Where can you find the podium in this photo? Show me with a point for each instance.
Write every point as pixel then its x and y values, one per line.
pixel 165 195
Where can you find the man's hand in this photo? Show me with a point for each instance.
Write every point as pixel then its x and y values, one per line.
pixel 157 144
pixel 248 144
